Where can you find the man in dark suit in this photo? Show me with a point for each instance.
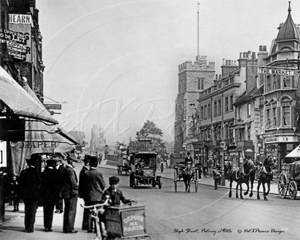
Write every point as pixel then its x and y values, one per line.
pixel 49 192
pixel 86 222
pixel 69 193
pixel 60 167
pixel 95 184
pixel 29 189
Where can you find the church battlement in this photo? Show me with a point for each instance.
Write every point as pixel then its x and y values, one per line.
pixel 200 64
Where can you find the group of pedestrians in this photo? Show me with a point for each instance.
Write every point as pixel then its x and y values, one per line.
pixel 58 182
pixel 55 183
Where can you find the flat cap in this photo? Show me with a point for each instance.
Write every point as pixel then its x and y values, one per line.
pixel 113 180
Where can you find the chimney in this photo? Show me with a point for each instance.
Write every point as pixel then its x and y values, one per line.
pixel 228 67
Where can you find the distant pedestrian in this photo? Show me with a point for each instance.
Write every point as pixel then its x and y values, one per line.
pixel 29 189
pixel 49 192
pixel 82 193
pixel 69 192
pixel 216 177
pixel 14 191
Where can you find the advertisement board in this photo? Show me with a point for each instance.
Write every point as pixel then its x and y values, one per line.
pixel 133 223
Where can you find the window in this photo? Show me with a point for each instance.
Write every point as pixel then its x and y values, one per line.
pixel 249 110
pixel 200 83
pixel 238 113
pixel 219 107
pixel 231 103
pixel 268 83
pixel 278 81
pixel 274 118
pixel 219 133
pixel 205 112
pixel 215 108
pixel 268 118
pixel 226 104
pixel 208 133
pixel 274 81
pixel 249 132
pixel 286 116
pixel 202 113
pixel 208 111
pixel 286 111
pixel 286 82
pixel 261 79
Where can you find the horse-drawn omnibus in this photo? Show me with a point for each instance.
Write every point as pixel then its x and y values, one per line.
pixel 143 163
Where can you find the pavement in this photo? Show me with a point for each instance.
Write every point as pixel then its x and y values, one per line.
pixel 13 224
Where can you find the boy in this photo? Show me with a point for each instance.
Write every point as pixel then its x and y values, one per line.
pixel 216 176
pixel 114 194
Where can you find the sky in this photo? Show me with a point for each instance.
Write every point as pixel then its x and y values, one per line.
pixel 114 63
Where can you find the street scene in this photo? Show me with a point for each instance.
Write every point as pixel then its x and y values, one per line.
pixel 149 119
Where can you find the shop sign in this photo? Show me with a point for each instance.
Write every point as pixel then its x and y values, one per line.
pixel 133 223
pixel 277 71
pixel 271 140
pixel 3 156
pixel 19 19
pixel 288 139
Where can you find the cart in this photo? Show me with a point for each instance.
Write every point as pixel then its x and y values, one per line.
pixel 123 168
pixel 125 222
pixel 178 168
pixel 145 170
pixel 289 180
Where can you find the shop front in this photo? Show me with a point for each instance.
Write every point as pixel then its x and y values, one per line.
pixel 203 153
pixel 279 146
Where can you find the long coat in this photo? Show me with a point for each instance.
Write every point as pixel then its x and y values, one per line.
pixel 30 183
pixel 95 185
pixel 83 183
pixel 69 183
pixel 50 184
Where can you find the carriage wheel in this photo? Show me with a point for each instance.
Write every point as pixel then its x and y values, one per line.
pixel 292 189
pixel 196 186
pixel 282 185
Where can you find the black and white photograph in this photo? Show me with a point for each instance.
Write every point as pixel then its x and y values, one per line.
pixel 149 119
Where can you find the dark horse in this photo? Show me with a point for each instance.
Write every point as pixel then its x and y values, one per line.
pixel 187 174
pixel 241 177
pixel 265 176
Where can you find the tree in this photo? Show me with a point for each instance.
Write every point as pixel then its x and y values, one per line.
pixel 150 130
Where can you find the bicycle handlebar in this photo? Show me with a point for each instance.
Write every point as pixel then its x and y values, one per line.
pixel 96 205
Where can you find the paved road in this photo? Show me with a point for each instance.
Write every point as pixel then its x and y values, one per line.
pixel 207 214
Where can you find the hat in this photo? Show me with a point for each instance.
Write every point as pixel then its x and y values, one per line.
pixel 113 180
pixel 87 158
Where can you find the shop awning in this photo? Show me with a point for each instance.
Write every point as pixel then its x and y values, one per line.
pixel 20 101
pixel 295 153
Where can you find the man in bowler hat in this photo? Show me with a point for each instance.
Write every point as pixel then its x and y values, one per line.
pixel 69 192
pixel 29 189
pixel 83 193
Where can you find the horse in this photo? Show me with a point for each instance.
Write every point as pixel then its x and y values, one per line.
pixel 265 176
pixel 187 174
pixel 244 177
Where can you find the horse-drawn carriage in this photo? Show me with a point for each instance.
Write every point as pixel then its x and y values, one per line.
pixel 144 172
pixel 123 166
pixel 289 180
pixel 187 174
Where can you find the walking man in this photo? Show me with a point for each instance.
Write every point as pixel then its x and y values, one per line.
pixel 70 194
pixel 29 186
